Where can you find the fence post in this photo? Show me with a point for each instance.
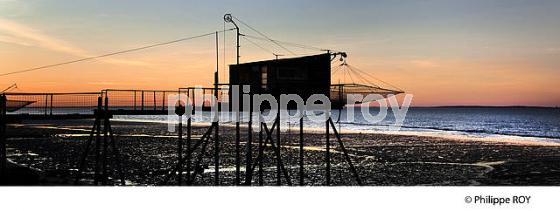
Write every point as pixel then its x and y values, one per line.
pixel 163 101
pixel 155 105
pixel 46 104
pixel 142 100
pixel 134 100
pixel 51 105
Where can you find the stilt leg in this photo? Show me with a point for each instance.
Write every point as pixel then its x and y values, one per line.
pixel 301 170
pixel 117 154
pixel 237 154
pixel 328 155
pixel 249 153
pixel 189 151
pixel 346 156
pixel 277 150
pixel 180 153
pixel 83 158
pixel 261 152
pixel 98 144
pixel 217 154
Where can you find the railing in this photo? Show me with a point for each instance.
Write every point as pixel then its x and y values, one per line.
pixel 119 101
pixel 199 96
pixel 51 103
pixel 137 100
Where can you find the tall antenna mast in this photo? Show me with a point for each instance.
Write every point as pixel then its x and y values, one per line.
pixel 229 19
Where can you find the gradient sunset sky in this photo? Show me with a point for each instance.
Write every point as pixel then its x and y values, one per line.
pixel 471 52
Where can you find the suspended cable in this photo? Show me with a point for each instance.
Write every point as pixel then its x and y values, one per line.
pixel 351 78
pixel 361 78
pixel 364 79
pixel 352 67
pixel 263 35
pixel 259 46
pixel 335 71
pixel 111 54
pixel 289 43
pixel 367 74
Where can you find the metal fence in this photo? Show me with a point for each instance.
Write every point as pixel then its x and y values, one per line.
pixel 200 96
pixel 51 103
pixel 137 100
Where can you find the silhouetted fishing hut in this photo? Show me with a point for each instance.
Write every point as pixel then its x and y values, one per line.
pixel 303 76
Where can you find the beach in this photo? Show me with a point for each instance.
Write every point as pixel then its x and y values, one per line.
pixel 148 152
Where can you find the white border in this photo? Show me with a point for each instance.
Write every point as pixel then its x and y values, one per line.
pixel 269 198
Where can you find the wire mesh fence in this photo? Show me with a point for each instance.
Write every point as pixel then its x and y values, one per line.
pixel 138 100
pixel 200 96
pixel 51 103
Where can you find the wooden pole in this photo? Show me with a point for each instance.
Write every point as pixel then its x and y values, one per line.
pixel 346 156
pixel 180 152
pixel 261 154
pixel 328 155
pixel 216 154
pixel 189 151
pixel 86 151
pixel 105 143
pixel 278 154
pixel 98 140
pixel 237 151
pixel 301 169
pixel 216 122
pixel 117 155
pixel 249 154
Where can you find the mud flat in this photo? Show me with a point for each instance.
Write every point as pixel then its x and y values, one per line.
pixel 53 149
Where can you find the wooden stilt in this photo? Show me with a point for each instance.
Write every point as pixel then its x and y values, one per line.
pixel 249 153
pixel 260 156
pixel 104 164
pixel 117 155
pixel 98 143
pixel 269 139
pixel 328 155
pixel 189 151
pixel 180 152
pixel 277 150
pixel 216 154
pixel 101 167
pixel 86 151
pixel 237 153
pixel 301 168
pixel 346 156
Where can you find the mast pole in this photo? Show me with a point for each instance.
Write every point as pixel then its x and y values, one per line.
pixel 228 18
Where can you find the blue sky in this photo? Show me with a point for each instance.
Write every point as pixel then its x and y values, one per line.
pixel 445 52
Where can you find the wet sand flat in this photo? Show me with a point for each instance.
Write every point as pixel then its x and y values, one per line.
pixel 149 151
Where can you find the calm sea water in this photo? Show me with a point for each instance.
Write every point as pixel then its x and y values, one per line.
pixel 476 121
pixel 531 122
